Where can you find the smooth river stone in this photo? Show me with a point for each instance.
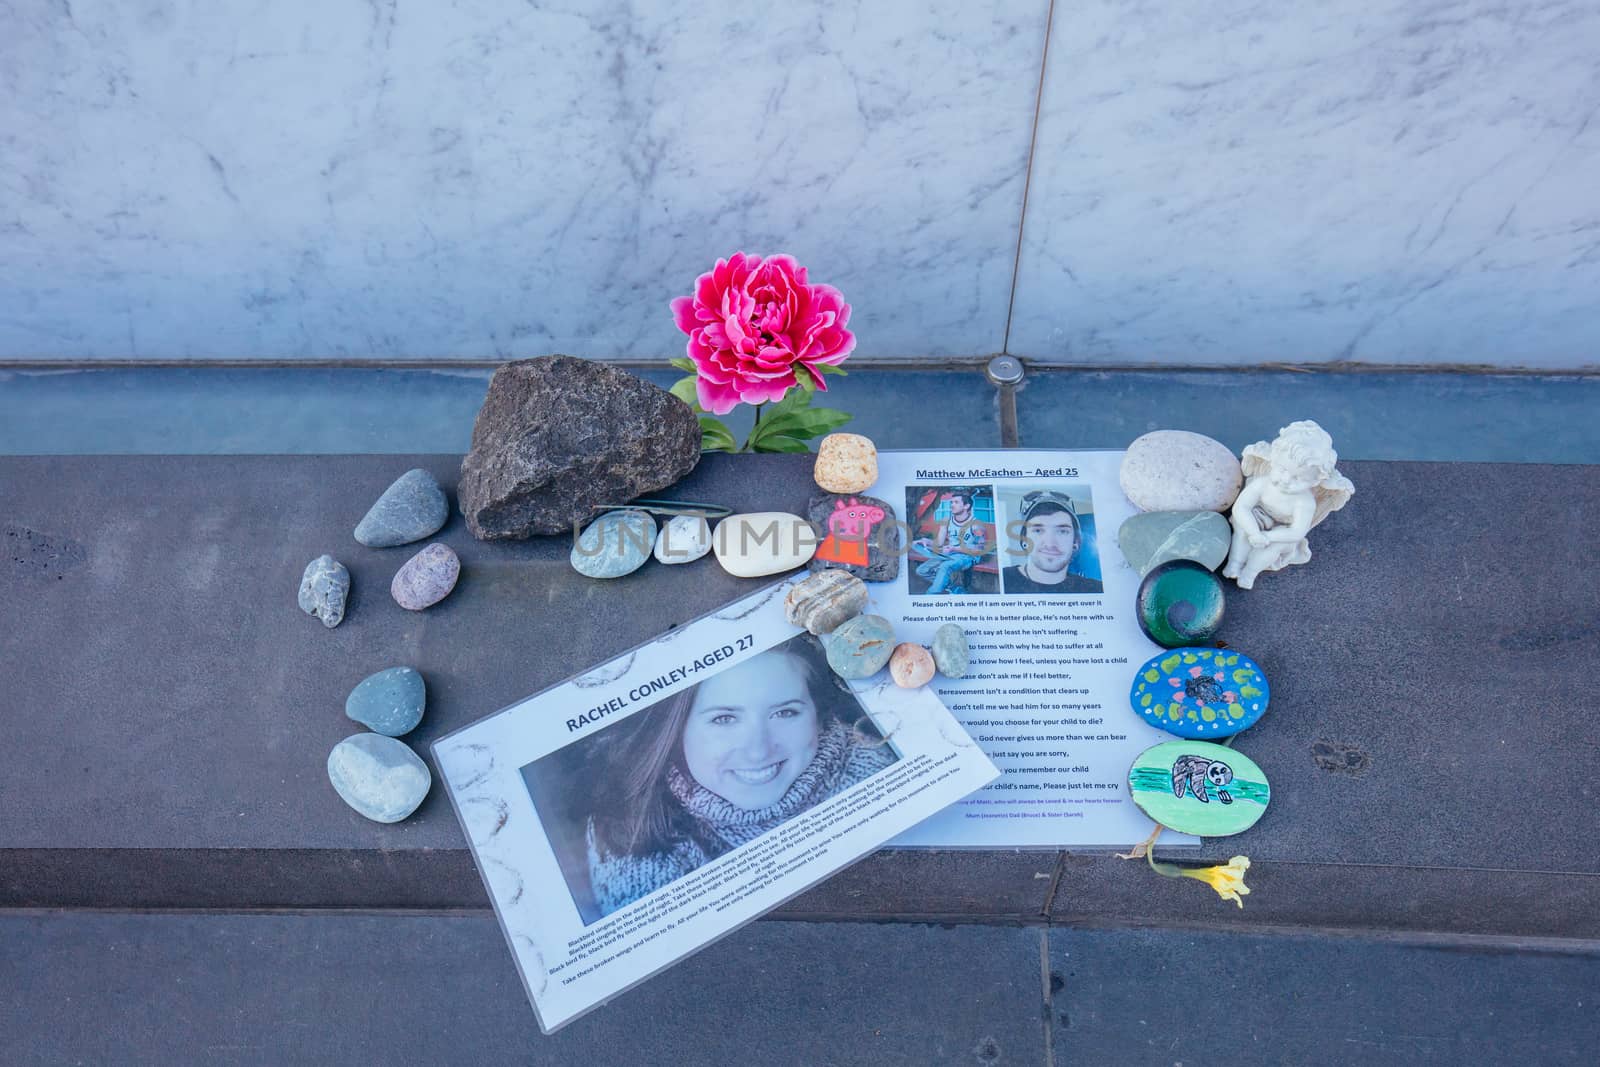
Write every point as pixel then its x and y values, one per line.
pixel 426 578
pixel 1155 537
pixel 412 508
pixel 861 646
pixel 615 544
pixel 1180 603
pixel 389 702
pixel 1200 692
pixel 950 651
pixel 825 601
pixel 1175 470
pixel 910 666
pixel 846 463
pixel 378 776
pixel 859 533
pixel 324 588
pixel 683 539
pixel 1196 787
pixel 759 543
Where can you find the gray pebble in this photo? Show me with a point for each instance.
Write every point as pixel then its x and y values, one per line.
pixel 861 646
pixel 378 776
pixel 1152 538
pixel 684 539
pixel 389 702
pixel 950 652
pixel 324 588
pixel 426 578
pixel 412 508
pixel 615 544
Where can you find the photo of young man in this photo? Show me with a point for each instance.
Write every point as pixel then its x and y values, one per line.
pixel 953 545
pixel 1052 539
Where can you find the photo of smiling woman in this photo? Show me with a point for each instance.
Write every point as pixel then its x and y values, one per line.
pixel 696 775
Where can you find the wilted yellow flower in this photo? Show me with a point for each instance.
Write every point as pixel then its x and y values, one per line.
pixel 1227 880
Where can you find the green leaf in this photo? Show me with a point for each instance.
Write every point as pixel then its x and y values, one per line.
pixel 793 400
pixel 779 443
pixel 805 423
pixel 685 364
pixel 808 384
pixel 828 368
pixel 715 437
pixel 684 390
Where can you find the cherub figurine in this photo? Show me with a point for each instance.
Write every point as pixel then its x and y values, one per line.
pixel 1290 486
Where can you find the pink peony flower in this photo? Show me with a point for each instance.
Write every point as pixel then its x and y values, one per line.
pixel 754 324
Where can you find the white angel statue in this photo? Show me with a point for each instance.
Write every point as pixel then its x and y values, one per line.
pixel 1290 485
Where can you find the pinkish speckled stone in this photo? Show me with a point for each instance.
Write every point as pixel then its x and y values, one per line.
pixel 426 578
pixel 911 666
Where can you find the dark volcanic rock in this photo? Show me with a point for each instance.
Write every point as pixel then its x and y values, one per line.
pixel 557 435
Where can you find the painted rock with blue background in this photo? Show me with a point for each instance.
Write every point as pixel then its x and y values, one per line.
pixel 1196 787
pixel 1200 692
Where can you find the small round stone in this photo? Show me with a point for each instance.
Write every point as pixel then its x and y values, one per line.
pixel 412 508
pixel 324 588
pixel 1175 470
pixel 1196 787
pixel 615 544
pixel 1200 692
pixel 683 539
pixel 950 651
pixel 846 463
pixel 911 666
pixel 389 702
pixel 756 544
pixel 825 601
pixel 861 646
pixel 378 776
pixel 426 578
pixel 1180 603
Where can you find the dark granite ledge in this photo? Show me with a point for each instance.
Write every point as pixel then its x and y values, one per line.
pixel 167 709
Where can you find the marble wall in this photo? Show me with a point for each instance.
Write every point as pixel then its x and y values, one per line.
pixel 1212 181
pixel 1389 181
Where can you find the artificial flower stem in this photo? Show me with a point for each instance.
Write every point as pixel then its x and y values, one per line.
pixel 749 442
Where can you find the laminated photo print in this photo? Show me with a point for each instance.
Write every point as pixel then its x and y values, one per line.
pixel 628 817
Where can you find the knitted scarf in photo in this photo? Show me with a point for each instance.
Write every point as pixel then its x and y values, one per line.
pixel 620 879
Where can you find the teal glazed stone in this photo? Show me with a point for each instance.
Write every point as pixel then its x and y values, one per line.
pixel 1180 603
pixel 378 776
pixel 1200 692
pixel 615 544
pixel 950 651
pixel 389 702
pixel 861 646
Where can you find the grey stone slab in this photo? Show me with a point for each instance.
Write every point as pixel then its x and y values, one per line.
pixel 326 410
pixel 932 886
pixel 1097 890
pixel 341 989
pixel 1165 997
pixel 165 693
pixel 1477 418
